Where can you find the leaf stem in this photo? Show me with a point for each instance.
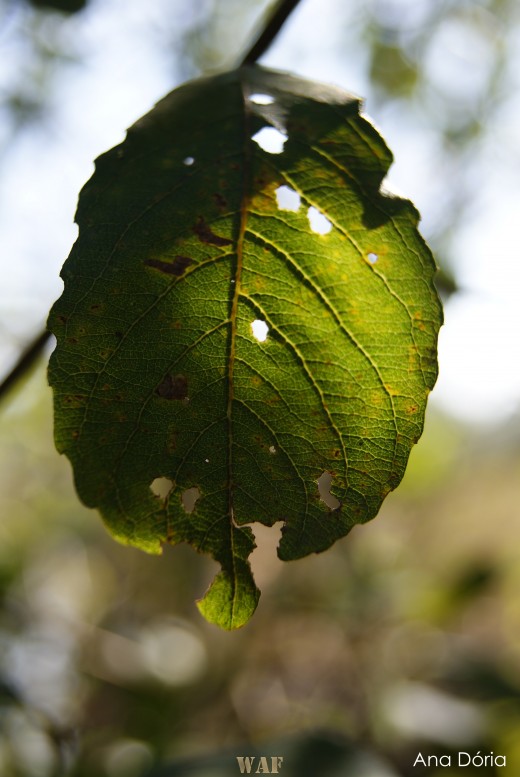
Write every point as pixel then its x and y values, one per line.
pixel 271 29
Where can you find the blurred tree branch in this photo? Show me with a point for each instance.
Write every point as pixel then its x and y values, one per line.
pixel 262 41
pixel 25 361
pixel 271 29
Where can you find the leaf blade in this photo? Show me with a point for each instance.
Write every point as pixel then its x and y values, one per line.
pixel 158 372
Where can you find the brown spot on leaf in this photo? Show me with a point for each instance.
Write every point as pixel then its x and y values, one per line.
pixel 173 387
pixel 220 200
pixel 171 442
pixel 177 267
pixel 206 235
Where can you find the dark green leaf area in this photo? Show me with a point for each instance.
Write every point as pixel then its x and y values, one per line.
pixel 191 231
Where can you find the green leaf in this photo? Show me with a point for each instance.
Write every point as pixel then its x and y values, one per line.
pixel 189 232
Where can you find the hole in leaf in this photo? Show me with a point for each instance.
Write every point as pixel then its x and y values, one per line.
pixel 207 461
pixel 161 487
pixel 189 498
pixel 272 449
pixel 265 564
pixel 372 257
pixel 189 160
pixel 260 330
pixel 287 198
pixel 324 483
pixel 318 222
pixel 261 99
pixel 270 139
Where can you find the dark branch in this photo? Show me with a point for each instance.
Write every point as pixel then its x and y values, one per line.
pixel 271 29
pixel 25 361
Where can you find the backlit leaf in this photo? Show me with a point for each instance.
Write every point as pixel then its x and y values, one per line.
pixel 248 327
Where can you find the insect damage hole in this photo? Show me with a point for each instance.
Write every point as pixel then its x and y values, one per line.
pixel 161 487
pixel 270 139
pixel 188 161
pixel 318 222
pixel 287 199
pixel 265 563
pixel 260 330
pixel 189 498
pixel 324 483
pixel 372 257
pixel 261 99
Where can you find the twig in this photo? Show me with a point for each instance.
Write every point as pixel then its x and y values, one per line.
pixel 271 29
pixel 25 361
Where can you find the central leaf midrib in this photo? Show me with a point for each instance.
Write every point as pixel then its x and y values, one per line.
pixel 237 278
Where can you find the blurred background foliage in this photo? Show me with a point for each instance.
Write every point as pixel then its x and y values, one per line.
pixel 404 637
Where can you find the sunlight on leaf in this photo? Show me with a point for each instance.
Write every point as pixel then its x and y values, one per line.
pixel 159 376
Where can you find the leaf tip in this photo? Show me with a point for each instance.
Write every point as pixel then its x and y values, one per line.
pixel 230 600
